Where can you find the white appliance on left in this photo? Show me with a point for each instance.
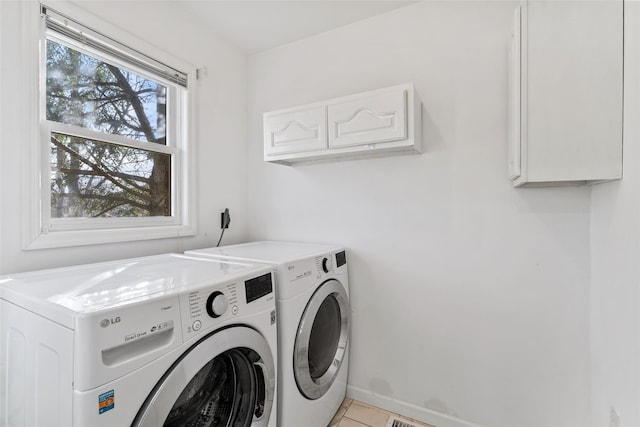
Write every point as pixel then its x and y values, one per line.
pixel 164 340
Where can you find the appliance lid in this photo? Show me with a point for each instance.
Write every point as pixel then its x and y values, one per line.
pixel 267 251
pixel 96 287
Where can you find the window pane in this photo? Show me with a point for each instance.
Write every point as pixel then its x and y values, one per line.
pixel 85 91
pixel 93 179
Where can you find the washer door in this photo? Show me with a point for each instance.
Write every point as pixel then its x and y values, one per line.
pixel 226 379
pixel 321 340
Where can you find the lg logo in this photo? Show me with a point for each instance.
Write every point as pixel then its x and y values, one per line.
pixel 106 322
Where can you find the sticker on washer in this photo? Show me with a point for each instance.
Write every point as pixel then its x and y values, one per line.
pixel 106 402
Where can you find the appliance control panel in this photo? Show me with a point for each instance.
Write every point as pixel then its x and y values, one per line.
pixel 331 263
pixel 204 309
pixel 299 275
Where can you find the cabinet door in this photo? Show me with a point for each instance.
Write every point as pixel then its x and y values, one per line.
pixel 295 131
pixel 368 119
pixel 514 95
pixel 571 91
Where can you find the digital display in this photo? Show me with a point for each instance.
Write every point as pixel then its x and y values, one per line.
pixel 258 287
pixel 341 259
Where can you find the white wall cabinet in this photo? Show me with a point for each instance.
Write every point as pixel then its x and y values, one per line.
pixel 565 97
pixel 376 123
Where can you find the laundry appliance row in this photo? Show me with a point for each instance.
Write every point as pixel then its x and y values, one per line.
pixel 252 335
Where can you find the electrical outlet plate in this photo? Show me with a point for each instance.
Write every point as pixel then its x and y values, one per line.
pixel 225 219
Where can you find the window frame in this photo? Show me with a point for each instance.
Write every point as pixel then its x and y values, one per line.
pixel 43 231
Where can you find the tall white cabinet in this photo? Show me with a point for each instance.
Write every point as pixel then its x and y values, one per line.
pixel 565 92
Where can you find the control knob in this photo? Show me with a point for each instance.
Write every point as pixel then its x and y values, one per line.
pixel 326 265
pixel 217 304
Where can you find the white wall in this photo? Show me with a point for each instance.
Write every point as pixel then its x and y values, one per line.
pixel 470 298
pixel 615 267
pixel 220 138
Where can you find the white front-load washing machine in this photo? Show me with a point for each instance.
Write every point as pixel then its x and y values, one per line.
pixel 167 340
pixel 312 291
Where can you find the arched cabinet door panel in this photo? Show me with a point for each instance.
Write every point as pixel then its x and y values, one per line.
pixel 368 119
pixel 295 130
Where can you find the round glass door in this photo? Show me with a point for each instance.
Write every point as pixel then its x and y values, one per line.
pixel 226 380
pixel 321 340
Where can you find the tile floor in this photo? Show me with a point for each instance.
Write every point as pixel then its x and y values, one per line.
pixel 353 413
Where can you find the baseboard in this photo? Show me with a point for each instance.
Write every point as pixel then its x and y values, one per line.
pixel 390 404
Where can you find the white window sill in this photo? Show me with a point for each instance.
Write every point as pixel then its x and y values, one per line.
pixel 59 239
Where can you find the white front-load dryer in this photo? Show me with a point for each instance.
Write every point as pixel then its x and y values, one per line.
pixel 167 340
pixel 312 291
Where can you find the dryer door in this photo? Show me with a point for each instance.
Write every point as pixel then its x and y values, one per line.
pixel 321 340
pixel 226 379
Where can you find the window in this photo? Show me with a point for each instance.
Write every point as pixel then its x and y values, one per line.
pixel 113 140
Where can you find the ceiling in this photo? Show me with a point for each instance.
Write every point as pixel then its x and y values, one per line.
pixel 254 26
